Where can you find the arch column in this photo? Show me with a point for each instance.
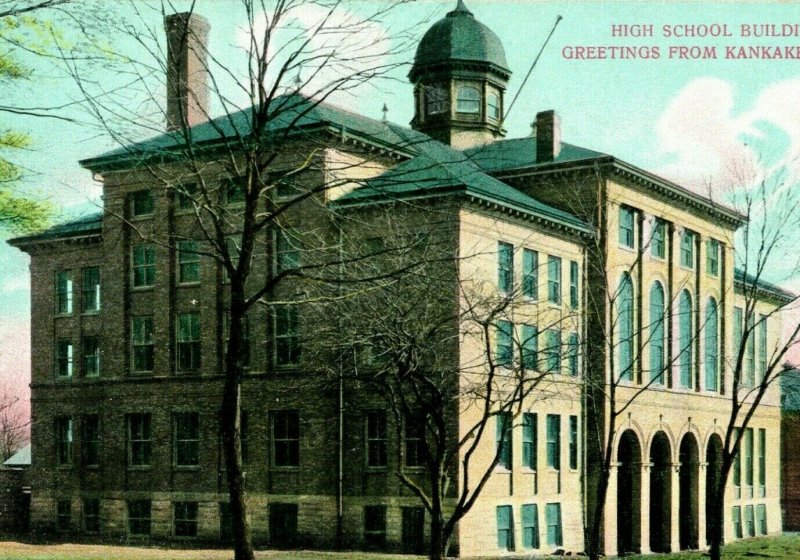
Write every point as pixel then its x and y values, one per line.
pixel 645 511
pixel 675 477
pixel 702 542
pixel 611 511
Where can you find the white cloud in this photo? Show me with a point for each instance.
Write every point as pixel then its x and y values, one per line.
pixel 15 284
pixel 707 142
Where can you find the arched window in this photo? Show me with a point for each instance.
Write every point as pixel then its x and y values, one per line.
pixel 685 339
pixel 657 333
pixel 712 345
pixel 625 310
pixel 493 106
pixel 468 100
pixel 435 100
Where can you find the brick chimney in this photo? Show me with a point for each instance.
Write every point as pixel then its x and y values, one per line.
pixel 187 70
pixel 548 136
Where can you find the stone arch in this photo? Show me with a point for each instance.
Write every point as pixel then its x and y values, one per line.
pixel 660 492
pixel 689 475
pixel 629 493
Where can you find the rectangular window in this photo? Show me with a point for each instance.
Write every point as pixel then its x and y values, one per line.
pixel 282 524
pixel 572 353
pixel 188 262
pixel 185 519
pixel 530 347
pixel 286 438
pixel 503 439
pixel 189 341
pixel 530 422
pixel 762 348
pixel 554 441
pixel 574 285
pixel 187 194
pixel 287 340
pixel 225 522
pixel 234 190
pixel 554 279
pixel 761 518
pixel 140 440
pixel 505 528
pixel 63 515
pixel 553 515
pixel 90 440
pixel 143 343
pixel 750 353
pixel 376 438
pixel 142 203
pixel 63 293
pixel 504 352
pixel 187 439
pixel 712 257
pixel 762 463
pixel 737 467
pixel 748 457
pixel 750 520
pixel 91 289
pixel 374 526
pixel 736 515
pixel 505 267
pixel 139 517
pixel 530 274
pixel 626 227
pixel 687 248
pixel 552 351
pixel 530 526
pixel 414 435
pixel 63 429
pixel 573 442
pixel 287 254
pixel 91 356
pixel 738 334
pixel 658 246
pixel 144 265
pixel 91 515
pixel 64 358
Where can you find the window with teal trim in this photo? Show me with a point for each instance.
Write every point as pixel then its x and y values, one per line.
pixel 530 347
pixel 572 353
pixel 554 279
pixel 685 339
pixel 530 526
pixel 762 347
pixel 505 528
pixel 574 285
pixel 553 518
pixel 530 271
pixel 762 462
pixel 505 267
pixel 529 440
pixel 712 257
pixel 658 246
pixel 738 324
pixel 552 351
pixel 750 352
pixel 503 423
pixel 687 248
pixel 504 351
pixel 625 310
pixel 626 221
pixel 554 441
pixel 656 334
pixel 711 345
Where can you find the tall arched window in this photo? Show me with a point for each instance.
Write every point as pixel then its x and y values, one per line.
pixel 493 106
pixel 625 310
pixel 657 333
pixel 468 100
pixel 712 345
pixel 685 339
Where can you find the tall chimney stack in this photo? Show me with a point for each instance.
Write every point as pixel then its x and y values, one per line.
pixel 548 136
pixel 187 70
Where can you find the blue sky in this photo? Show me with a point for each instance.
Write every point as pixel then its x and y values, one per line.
pixel 685 119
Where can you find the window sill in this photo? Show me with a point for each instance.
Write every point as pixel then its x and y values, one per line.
pixel 188 373
pixel 65 467
pixel 142 468
pixel 62 315
pixel 142 217
pixel 192 284
pixel 91 313
pixel 91 467
pixel 414 468
pixel 686 268
pixel 286 469
pixel 657 258
pixel 376 469
pixel 63 378
pixel 626 248
pixel 143 373
pixel 499 469
pixel 186 468
pixel 147 288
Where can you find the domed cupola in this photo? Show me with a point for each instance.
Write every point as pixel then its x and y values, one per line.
pixel 460 75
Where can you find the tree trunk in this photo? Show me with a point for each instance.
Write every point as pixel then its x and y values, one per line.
pixel 594 551
pixel 717 522
pixel 438 542
pixel 232 441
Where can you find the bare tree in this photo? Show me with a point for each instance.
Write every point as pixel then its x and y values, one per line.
pixel 254 180
pixel 13 424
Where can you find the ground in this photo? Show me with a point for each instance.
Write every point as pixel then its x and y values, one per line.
pixel 787 546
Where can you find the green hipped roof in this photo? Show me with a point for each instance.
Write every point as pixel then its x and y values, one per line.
pixel 459 37
pixel 293 114
pixel 519 153
pixel 86 225
pixel 440 170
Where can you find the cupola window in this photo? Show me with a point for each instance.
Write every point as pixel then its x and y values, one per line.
pixel 493 106
pixel 436 100
pixel 468 100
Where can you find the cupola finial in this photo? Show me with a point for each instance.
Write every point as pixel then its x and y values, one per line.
pixel 461 8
